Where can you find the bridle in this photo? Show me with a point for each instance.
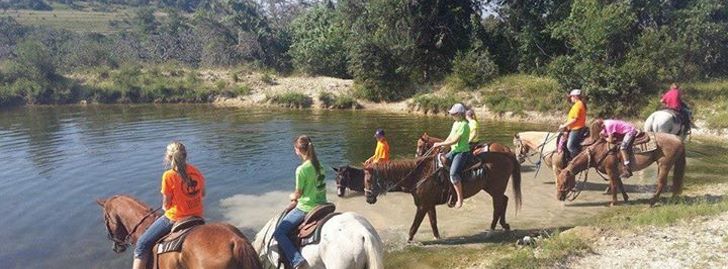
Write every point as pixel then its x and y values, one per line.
pixel 573 193
pixel 378 180
pixel 427 144
pixel 538 150
pixel 127 239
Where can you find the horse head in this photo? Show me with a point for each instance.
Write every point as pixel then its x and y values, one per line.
pixel 371 185
pixel 423 145
pixel 521 149
pixel 343 179
pixel 115 230
pixel 565 182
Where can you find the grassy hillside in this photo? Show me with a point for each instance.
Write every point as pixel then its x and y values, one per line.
pixel 73 20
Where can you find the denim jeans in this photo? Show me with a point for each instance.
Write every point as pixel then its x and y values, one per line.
pixel 628 140
pixel 159 228
pixel 458 161
pixel 287 225
pixel 573 144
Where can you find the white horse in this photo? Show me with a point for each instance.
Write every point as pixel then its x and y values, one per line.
pixel 541 144
pixel 348 241
pixel 665 121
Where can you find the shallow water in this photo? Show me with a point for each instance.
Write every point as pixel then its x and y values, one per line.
pixel 57 160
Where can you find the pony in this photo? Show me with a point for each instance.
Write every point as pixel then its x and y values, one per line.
pixel 216 245
pixel 665 121
pixel 348 241
pixel 669 154
pixel 350 177
pixel 421 178
pixel 425 142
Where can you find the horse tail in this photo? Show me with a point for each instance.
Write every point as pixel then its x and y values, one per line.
pixel 372 244
pixel 516 175
pixel 678 174
pixel 649 123
pixel 243 253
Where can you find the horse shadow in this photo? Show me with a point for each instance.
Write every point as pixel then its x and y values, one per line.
pixel 496 236
pixel 687 200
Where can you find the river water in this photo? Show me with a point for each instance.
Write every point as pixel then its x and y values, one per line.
pixel 56 160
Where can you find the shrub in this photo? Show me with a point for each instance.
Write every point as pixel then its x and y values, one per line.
pixel 337 101
pixel 318 43
pixel 429 103
pixel 291 99
pixel 375 74
pixel 473 68
pixel 243 90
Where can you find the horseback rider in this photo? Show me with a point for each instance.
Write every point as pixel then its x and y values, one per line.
pixel 613 130
pixel 474 126
pixel 575 123
pixel 672 99
pixel 310 192
pixel 381 152
pixel 459 153
pixel 183 187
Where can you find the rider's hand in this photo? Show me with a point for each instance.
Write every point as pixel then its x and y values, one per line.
pixel 562 127
pixel 437 145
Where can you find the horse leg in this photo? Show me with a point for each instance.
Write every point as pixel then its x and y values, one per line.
pixel 432 214
pixel 621 188
pixel 613 186
pixel 496 212
pixel 419 216
pixel 504 206
pixel 661 181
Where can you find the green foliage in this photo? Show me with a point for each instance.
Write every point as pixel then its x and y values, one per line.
pixel 25 4
pixel 375 74
pixel 671 211
pixel 243 90
pixel 291 99
pixel 518 92
pixel 550 251
pixel 318 43
pixel 341 101
pixel 434 104
pixel 473 68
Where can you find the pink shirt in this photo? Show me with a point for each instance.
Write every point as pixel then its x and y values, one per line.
pixel 672 99
pixel 617 127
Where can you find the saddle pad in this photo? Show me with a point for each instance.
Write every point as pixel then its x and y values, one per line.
pixel 173 244
pixel 648 147
pixel 315 237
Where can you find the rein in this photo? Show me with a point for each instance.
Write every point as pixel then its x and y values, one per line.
pixel 541 146
pixel 417 165
pixel 573 194
pixel 127 238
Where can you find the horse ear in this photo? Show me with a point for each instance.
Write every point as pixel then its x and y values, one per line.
pixel 335 169
pixel 101 202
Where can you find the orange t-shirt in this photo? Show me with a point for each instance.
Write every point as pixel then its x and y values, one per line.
pixel 578 112
pixel 184 201
pixel 381 153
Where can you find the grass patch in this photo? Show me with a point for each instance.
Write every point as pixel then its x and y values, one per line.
pixel 672 210
pixel 69 19
pixel 330 100
pixel 516 92
pixel 442 257
pixel 291 99
pixel 545 253
pixel 432 103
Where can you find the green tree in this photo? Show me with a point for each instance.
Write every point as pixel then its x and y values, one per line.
pixel 318 43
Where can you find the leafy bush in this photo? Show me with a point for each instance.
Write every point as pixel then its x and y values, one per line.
pixel 337 101
pixel 473 68
pixel 434 104
pixel 375 74
pixel 291 99
pixel 318 43
pixel 512 92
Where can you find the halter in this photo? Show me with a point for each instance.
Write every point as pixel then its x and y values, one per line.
pixel 127 239
pixel 377 178
pixel 540 146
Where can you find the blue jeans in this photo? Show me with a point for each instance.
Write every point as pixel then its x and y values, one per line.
pixel 458 161
pixel 628 140
pixel 288 225
pixel 573 144
pixel 159 228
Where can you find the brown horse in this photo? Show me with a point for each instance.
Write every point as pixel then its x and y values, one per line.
pixel 348 177
pixel 419 177
pixel 215 245
pixel 425 142
pixel 605 158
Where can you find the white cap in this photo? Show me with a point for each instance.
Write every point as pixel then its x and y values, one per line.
pixel 457 109
pixel 575 92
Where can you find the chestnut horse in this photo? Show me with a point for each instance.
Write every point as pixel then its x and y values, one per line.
pixel 425 142
pixel 419 177
pixel 215 245
pixel 541 144
pixel 605 158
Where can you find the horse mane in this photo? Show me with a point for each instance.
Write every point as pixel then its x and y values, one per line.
pixel 397 170
pixel 134 200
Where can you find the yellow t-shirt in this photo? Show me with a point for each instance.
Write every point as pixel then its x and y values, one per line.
pixel 578 112
pixel 381 153
pixel 185 201
pixel 474 126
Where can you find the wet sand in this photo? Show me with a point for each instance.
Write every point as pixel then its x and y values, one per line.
pixel 393 213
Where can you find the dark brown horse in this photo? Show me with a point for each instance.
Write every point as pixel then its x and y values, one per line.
pixel 605 158
pixel 348 177
pixel 419 177
pixel 425 142
pixel 215 245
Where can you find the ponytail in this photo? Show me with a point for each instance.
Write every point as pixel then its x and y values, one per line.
pixel 305 145
pixel 177 157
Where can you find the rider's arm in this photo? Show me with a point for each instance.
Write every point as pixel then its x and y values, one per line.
pixel 448 142
pixel 295 195
pixel 165 202
pixel 569 122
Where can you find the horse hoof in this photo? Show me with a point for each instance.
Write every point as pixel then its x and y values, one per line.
pixel 611 204
pixel 437 238
pixel 506 227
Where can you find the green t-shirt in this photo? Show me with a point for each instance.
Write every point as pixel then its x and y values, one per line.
pixel 461 130
pixel 312 186
pixel 473 124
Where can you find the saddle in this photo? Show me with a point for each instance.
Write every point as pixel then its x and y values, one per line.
pixel 473 168
pixel 172 242
pixel 309 231
pixel 640 138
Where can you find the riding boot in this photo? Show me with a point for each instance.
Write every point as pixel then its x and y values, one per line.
pixel 627 171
